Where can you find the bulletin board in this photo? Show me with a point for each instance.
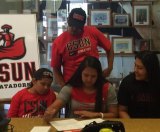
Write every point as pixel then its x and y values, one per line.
pixel 19 52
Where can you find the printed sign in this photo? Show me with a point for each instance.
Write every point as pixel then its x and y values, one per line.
pixel 19 52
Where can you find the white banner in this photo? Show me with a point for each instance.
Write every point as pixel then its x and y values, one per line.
pixel 19 52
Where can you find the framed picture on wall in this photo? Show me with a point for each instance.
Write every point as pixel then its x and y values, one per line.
pixel 141 15
pixel 121 20
pixel 100 18
pixel 143 45
pixel 122 44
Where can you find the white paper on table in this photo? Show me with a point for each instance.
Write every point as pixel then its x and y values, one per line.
pixel 41 129
pixel 69 124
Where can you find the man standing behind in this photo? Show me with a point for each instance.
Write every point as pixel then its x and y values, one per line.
pixel 73 45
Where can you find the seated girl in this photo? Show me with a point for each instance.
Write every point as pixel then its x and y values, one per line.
pixel 89 94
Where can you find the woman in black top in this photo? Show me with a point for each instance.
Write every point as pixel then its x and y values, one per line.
pixel 139 92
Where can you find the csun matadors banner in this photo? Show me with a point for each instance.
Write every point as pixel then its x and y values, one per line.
pixel 19 52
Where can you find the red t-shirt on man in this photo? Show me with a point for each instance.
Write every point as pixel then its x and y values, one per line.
pixel 68 50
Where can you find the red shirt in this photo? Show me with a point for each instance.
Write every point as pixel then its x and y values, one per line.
pixel 85 101
pixel 25 104
pixel 68 50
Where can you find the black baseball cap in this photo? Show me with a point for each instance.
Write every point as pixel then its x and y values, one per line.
pixel 77 17
pixel 42 73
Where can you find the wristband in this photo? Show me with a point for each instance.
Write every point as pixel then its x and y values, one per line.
pixel 102 115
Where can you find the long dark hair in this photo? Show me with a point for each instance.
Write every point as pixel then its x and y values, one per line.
pixel 151 63
pixel 76 79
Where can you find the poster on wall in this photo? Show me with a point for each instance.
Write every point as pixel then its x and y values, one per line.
pixel 19 52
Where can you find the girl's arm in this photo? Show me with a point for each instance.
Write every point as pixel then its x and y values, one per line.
pixel 112 113
pixel 53 109
pixel 123 112
pixel 62 98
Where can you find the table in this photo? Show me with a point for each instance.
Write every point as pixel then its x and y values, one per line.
pixel 26 124
pixel 131 125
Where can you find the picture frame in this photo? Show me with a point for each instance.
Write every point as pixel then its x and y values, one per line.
pixel 49 51
pixel 143 45
pixel 31 5
pixel 122 45
pixel 52 27
pixel 121 20
pixel 100 18
pixel 141 15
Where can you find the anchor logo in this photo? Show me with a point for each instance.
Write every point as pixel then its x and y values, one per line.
pixel 10 48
